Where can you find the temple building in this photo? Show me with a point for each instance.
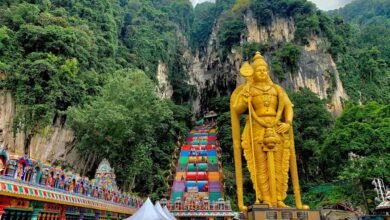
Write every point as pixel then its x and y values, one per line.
pixel 33 190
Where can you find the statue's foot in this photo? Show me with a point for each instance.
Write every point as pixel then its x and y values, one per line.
pixel 267 202
pixel 243 208
pixel 303 207
pixel 281 204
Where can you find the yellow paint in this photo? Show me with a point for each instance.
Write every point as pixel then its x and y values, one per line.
pixel 267 140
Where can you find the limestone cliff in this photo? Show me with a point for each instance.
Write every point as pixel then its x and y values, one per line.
pixel 165 90
pixel 316 68
pixel 54 145
pixel 211 77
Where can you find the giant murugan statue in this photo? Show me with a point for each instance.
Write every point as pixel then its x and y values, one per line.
pixel 267 139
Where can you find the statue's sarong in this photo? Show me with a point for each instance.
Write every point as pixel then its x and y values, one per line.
pixel 281 161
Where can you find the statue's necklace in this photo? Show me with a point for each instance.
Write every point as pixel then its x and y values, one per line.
pixel 263 88
pixel 266 95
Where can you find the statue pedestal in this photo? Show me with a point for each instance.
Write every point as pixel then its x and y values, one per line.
pixel 262 212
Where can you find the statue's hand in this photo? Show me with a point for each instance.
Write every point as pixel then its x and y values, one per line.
pixel 282 128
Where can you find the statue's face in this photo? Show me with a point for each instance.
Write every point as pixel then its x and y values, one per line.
pixel 260 74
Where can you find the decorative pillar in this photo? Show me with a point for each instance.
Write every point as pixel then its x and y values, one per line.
pixel 18 215
pixel 81 217
pixel 4 202
pixel 2 210
pixel 36 213
pixel 97 214
pixel 62 215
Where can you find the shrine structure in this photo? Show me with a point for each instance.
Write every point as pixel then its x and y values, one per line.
pixel 33 190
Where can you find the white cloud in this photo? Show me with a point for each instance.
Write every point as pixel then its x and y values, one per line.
pixel 194 2
pixel 330 4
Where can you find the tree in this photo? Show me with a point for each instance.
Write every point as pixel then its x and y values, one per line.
pixel 357 149
pixel 311 124
pixel 130 126
pixel 362 131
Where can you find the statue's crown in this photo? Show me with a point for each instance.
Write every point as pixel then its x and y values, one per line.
pixel 258 60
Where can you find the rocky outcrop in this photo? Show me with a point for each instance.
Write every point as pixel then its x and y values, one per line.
pixel 316 68
pixel 165 90
pixel 317 72
pixel 280 29
pixel 55 143
pixel 210 75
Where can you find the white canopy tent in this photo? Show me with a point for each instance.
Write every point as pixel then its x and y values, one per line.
pixel 146 212
pixel 160 210
pixel 168 212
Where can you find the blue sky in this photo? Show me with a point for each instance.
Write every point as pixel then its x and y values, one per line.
pixel 321 4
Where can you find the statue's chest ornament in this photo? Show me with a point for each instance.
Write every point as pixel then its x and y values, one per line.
pixel 267 99
pixel 266 94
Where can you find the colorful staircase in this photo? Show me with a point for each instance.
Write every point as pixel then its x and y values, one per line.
pixel 197 186
pixel 198 174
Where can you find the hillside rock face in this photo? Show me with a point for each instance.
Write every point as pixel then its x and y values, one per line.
pixel 316 68
pixel 210 75
pixel 280 30
pixel 165 90
pixel 54 145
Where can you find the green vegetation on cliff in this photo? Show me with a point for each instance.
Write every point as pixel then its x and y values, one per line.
pixel 129 125
pixel 92 65
pixel 365 68
pixel 361 53
pixel 56 55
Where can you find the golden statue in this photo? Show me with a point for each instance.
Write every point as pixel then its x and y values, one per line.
pixel 267 139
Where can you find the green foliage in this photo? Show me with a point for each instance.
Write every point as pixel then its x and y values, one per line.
pixel 131 126
pixel 311 124
pixel 249 49
pixel 277 68
pixel 357 148
pixel 363 49
pixel 289 55
pixel 232 27
pixel 181 13
pixel 58 54
pixel 19 14
pixel 150 33
pixel 285 60
pixel 361 130
pixel 302 11
pixel 365 75
pixel 320 195
pixel 45 82
pixel 372 10
pixel 204 18
pixel 64 54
